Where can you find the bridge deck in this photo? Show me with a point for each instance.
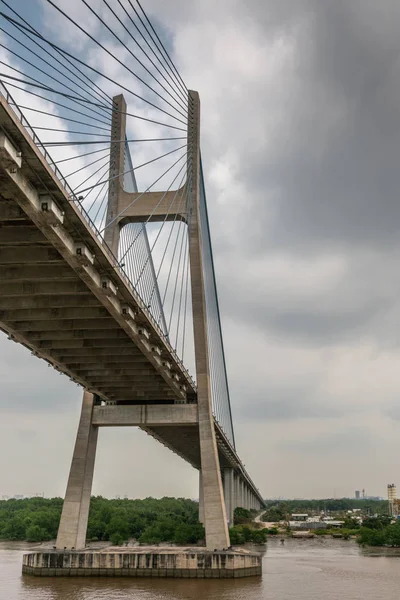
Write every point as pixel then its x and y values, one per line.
pixel 61 304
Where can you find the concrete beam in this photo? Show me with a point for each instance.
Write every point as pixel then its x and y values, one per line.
pixel 139 206
pixel 37 273
pixel 95 351
pixel 17 235
pixel 93 362
pixel 9 211
pixel 26 301
pixel 79 334
pixel 171 415
pixel 116 385
pixel 71 324
pixel 84 313
pixel 82 343
pixel 127 372
pixel 53 288
pixel 25 255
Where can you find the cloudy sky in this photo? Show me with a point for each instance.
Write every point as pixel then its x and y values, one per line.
pixel 301 151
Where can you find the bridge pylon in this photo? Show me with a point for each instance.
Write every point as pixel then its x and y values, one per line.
pixel 124 208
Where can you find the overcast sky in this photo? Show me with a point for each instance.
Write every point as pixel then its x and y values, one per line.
pixel 301 152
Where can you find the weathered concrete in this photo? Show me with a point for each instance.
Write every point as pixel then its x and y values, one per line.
pixel 117 164
pixel 143 562
pixel 229 494
pixel 172 415
pixel 75 512
pixel 215 521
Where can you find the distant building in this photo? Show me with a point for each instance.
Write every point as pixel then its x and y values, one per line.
pixel 392 497
pixel 300 516
pixel 357 494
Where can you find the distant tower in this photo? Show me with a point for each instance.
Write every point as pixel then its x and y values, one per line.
pixel 392 496
pixel 357 494
pixel 363 493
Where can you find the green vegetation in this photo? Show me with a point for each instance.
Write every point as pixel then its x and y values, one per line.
pixel 242 515
pixel 377 523
pixel 150 521
pixel 379 532
pixel 33 519
pixel 245 530
pixel 281 509
pixel 243 534
pixel 344 532
pixel 388 535
pixel 274 514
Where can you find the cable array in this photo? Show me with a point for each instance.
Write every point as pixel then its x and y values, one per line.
pixel 68 90
pixel 219 381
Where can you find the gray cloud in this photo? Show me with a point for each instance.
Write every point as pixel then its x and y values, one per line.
pixel 284 402
pixel 300 143
pixel 340 442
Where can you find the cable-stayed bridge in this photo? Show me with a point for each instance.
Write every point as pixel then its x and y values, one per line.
pixel 106 264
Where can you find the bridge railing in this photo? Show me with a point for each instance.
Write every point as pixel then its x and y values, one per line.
pixel 98 234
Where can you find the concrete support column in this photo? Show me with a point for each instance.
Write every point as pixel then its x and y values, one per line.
pixel 117 166
pixel 240 492
pixel 234 491
pixel 201 499
pixel 215 521
pixel 229 494
pixel 75 512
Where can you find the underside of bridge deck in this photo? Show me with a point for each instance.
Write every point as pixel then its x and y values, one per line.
pixel 45 304
pixel 79 315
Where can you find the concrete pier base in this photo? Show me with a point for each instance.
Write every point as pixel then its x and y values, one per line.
pixel 142 562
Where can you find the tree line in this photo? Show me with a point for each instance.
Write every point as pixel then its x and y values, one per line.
pixel 379 532
pixel 279 510
pixel 149 521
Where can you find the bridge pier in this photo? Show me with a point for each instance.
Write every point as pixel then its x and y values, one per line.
pixel 240 492
pixel 75 512
pixel 229 494
pixel 215 521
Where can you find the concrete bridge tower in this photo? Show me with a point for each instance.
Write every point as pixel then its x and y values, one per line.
pixel 123 208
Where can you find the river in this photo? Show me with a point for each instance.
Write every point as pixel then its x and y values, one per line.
pixel 300 570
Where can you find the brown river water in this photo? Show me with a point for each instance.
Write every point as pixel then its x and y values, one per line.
pixel 299 570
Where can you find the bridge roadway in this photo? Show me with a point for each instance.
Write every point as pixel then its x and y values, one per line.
pixel 64 296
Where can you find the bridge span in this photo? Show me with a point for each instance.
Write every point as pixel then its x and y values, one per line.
pixel 66 297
